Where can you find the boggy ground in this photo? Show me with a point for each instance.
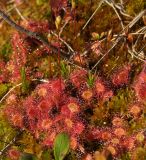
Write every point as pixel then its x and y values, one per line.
pixel 84 74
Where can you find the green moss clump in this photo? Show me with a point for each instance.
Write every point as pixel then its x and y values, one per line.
pixel 135 6
pixel 3 89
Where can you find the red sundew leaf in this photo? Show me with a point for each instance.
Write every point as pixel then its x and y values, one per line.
pixel 20 53
pixel 94 133
pixel 135 109
pixel 46 105
pixel 119 132
pixel 39 27
pixel 140 85
pixel 13 154
pixel 100 87
pixel 102 90
pixel 69 123
pixel 57 86
pixel 57 5
pixel 89 157
pixel 121 76
pixel 45 124
pixel 96 48
pixel 73 143
pixel 32 125
pixel 43 90
pixel 128 143
pixel 71 108
pixel 65 111
pixel 107 95
pixel 17 120
pixel 78 77
pixel 87 94
pixel 49 139
pixel 117 121
pixel 106 135
pixel 140 90
pixel 32 112
pixel 16 75
pixel 2 64
pixel 142 77
pixel 78 128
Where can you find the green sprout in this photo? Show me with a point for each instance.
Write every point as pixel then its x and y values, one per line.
pixel 61 146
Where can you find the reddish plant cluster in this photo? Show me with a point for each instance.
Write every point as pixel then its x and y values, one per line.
pixel 61 105
pixel 121 76
pixel 13 154
pixel 3 71
pixel 99 91
pixel 24 50
pixel 96 48
pixel 48 112
pixel 140 85
pixel 136 109
pixel 102 90
pixel 78 77
pixel 116 139
pixel 53 108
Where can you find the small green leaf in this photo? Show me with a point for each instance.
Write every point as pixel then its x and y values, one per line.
pixel 64 69
pixel 61 146
pixel 28 156
pixel 95 36
pixel 3 89
pixel 6 51
pixel 46 155
pixel 40 2
pixel 90 79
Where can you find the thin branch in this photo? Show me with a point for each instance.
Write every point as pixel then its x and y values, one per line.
pixel 19 13
pixel 143 29
pixel 63 41
pixel 121 1
pixel 10 92
pixel 62 28
pixel 9 144
pixel 142 48
pixel 99 5
pixel 137 33
pixel 131 24
pixel 120 7
pixel 40 80
pixel 112 5
pixel 9 10
pixel 136 18
pixel 134 55
pixel 116 42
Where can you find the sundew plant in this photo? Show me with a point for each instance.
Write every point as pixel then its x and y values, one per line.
pixel 72 80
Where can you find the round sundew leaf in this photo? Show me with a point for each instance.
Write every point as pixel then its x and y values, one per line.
pixel 61 146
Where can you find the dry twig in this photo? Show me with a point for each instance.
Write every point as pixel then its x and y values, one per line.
pixel 19 13
pixel 99 5
pixel 117 40
pixel 63 41
pixel 9 144
pixel 113 6
pixel 40 80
